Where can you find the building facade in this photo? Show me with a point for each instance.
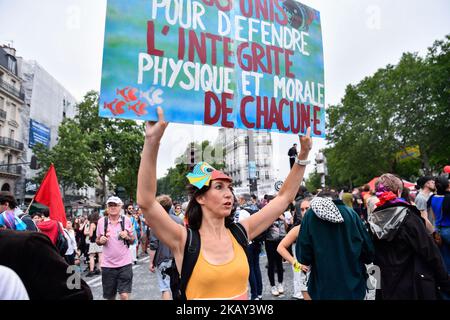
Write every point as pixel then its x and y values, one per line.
pixel 12 105
pixel 239 156
pixel 49 103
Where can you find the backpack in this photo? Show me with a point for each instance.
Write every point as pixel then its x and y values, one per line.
pixel 122 225
pixel 61 242
pixel 178 284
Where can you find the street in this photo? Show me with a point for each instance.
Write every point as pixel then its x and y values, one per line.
pixel 145 284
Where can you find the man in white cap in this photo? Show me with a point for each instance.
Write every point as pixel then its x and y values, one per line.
pixel 115 236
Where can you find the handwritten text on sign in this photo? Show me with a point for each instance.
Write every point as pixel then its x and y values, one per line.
pixel 252 64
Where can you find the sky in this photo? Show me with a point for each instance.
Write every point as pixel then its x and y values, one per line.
pixel 360 36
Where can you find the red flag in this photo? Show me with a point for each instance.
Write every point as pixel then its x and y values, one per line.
pixel 49 195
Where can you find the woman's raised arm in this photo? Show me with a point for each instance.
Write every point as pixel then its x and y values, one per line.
pixel 165 229
pixel 262 220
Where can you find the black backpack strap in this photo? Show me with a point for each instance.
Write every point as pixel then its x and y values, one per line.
pixel 191 253
pixel 105 226
pixel 122 223
pixel 240 234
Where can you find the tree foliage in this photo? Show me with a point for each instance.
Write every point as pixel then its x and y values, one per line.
pixel 96 147
pixel 313 181
pixel 400 106
pixel 70 157
pixel 175 182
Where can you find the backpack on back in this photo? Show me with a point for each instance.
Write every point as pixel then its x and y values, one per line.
pixel 178 284
pixel 61 242
pixel 122 226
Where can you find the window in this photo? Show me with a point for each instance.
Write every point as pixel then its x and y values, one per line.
pixel 2 103
pixel 13 111
pixel 12 64
pixel 11 134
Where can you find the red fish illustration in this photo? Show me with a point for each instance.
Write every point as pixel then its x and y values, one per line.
pixel 127 97
pixel 110 107
pixel 139 108
pixel 129 94
pixel 116 107
pixel 119 107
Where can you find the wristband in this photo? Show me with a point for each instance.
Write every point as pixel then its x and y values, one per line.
pixel 302 162
pixel 297 266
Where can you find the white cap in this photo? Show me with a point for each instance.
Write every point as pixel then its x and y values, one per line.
pixel 114 199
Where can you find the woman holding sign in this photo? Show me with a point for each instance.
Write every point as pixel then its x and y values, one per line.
pixel 216 267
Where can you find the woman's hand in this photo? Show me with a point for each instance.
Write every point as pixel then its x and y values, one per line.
pixel 306 143
pixel 155 130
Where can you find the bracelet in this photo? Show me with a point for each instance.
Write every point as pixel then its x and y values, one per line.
pixel 302 162
pixel 297 266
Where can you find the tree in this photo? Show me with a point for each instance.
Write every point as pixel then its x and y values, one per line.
pixel 70 156
pixel 130 142
pixel 175 182
pixel 91 147
pixel 400 106
pixel 313 181
pixel 115 145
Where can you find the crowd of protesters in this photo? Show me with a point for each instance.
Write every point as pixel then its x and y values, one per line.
pixel 404 233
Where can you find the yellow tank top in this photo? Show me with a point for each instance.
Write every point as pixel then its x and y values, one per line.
pixel 220 282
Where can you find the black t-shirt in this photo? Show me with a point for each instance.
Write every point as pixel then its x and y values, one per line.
pixel 29 222
pixel 292 152
pixel 40 267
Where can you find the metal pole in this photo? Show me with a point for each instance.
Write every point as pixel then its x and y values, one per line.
pixel 28 209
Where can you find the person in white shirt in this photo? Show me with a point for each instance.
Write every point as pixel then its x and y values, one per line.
pixel 427 186
pixel 11 286
pixel 69 233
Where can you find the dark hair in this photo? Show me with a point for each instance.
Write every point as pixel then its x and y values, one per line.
pixel 406 195
pixel 254 197
pixel 46 213
pixel 94 217
pixel 194 212
pixel 346 189
pixel 420 184
pixel 441 185
pixel 10 199
pixel 329 194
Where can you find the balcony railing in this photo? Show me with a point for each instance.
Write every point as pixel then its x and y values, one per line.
pixel 2 114
pixel 8 142
pixel 12 90
pixel 11 169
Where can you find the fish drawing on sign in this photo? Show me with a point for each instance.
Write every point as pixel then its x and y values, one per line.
pixel 116 107
pixel 152 96
pixel 129 94
pixel 128 97
pixel 139 108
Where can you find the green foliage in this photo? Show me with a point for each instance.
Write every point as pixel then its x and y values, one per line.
pixel 313 181
pixel 399 106
pixel 175 182
pixel 70 156
pixel 90 147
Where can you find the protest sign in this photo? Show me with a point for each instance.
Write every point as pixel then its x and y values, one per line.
pixel 249 64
